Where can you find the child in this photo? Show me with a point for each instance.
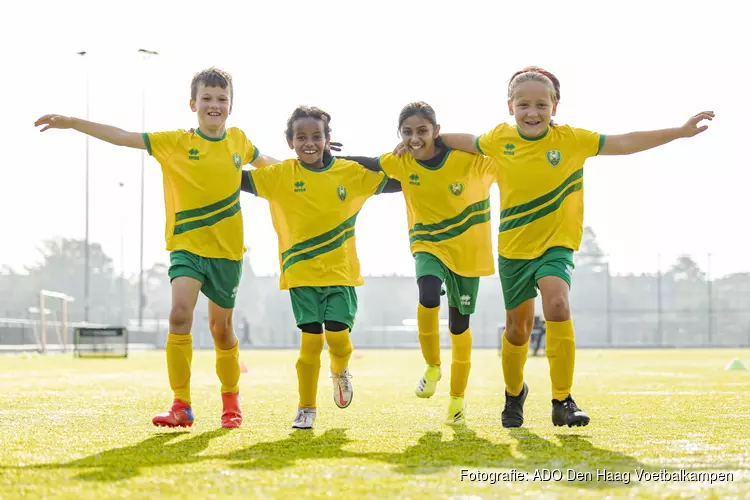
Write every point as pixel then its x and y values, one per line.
pixel 541 225
pixel 448 210
pixel 204 231
pixel 314 202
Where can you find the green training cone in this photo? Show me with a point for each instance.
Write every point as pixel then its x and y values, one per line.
pixel 736 365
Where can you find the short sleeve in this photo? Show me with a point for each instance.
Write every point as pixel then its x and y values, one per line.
pixel 161 145
pixel 488 166
pixel 488 144
pixel 252 153
pixel 589 142
pixel 391 165
pixel 264 182
pixel 372 182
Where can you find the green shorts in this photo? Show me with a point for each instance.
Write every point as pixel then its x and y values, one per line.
pixel 316 304
pixel 462 291
pixel 518 277
pixel 220 277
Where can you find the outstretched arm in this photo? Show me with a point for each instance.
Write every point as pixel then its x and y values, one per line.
pixel 635 142
pixel 264 161
pixel 107 133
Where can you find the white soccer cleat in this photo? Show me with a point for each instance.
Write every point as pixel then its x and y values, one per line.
pixel 343 392
pixel 428 383
pixel 305 418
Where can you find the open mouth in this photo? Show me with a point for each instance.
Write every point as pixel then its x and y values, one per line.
pixel 214 113
pixel 533 123
pixel 309 151
pixel 416 147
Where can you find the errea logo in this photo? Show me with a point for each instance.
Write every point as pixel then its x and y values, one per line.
pixel 509 149
pixel 299 187
pixel 465 300
pixel 193 154
pixel 414 180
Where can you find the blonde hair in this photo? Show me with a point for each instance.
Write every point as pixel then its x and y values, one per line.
pixel 535 74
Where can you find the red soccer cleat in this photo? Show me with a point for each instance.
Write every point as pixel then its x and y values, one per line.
pixel 231 417
pixel 179 415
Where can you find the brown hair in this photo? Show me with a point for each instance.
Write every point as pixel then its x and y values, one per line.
pixel 212 77
pixel 417 108
pixel 308 112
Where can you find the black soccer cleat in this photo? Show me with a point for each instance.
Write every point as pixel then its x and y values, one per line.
pixel 512 415
pixel 566 412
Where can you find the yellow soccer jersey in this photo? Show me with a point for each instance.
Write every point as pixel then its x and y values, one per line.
pixel 313 212
pixel 448 208
pixel 202 190
pixel 541 187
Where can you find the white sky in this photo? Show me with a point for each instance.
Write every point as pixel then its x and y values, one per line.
pixel 624 66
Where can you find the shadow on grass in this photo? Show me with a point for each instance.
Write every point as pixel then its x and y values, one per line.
pixel 432 455
pixel 300 445
pixel 127 462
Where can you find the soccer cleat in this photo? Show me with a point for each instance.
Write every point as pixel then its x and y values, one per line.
pixel 428 383
pixel 512 415
pixel 343 392
pixel 456 411
pixel 566 412
pixel 305 418
pixel 231 416
pixel 179 415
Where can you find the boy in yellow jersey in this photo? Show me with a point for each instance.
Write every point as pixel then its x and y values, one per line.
pixel 448 211
pixel 541 225
pixel 314 205
pixel 204 231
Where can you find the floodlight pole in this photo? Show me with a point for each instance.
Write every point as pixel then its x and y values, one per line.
pixel 86 270
pixel 146 55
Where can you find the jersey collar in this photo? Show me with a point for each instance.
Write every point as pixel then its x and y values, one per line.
pixel 212 139
pixel 518 129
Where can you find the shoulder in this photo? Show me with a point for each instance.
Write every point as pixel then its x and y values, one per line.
pixel 235 132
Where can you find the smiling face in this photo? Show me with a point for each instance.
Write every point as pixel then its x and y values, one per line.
pixel 418 135
pixel 533 107
pixel 213 106
pixel 309 140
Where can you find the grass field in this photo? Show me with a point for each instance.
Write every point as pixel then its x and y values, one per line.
pixel 81 429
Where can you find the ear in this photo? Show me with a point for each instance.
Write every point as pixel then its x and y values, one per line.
pixel 192 106
pixel 290 143
pixel 554 109
pixel 510 107
pixel 230 110
pixel 437 131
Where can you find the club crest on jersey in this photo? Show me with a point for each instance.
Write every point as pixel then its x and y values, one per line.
pixel 341 191
pixel 457 188
pixel 237 161
pixel 554 157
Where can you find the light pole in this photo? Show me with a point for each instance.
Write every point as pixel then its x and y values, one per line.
pixel 86 271
pixel 122 253
pixel 146 56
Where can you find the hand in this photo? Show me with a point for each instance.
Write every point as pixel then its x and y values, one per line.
pixel 399 150
pixel 691 127
pixel 54 121
pixel 335 146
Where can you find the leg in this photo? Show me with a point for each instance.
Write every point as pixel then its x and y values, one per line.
pixel 187 280
pixel 340 311
pixel 308 313
pixel 223 279
pixel 430 277
pixel 519 291
pixel 554 278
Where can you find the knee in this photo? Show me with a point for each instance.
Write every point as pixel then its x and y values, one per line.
pixel 220 327
pixel 335 326
pixel 559 309
pixel 180 317
pixel 458 323
pixel 518 331
pixel 429 291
